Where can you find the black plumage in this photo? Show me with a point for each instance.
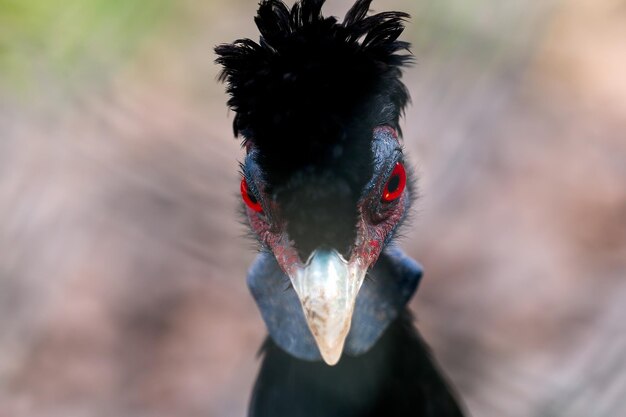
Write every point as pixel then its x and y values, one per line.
pixel 396 378
pixel 318 104
pixel 315 85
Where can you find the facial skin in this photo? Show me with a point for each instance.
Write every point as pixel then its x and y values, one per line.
pixel 317 103
pixel 327 279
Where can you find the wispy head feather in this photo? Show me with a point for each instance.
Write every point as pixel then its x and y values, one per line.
pixel 312 82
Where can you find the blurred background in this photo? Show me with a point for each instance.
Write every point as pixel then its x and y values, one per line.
pixel 122 263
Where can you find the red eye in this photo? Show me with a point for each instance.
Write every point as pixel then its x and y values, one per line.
pixel 395 185
pixel 249 198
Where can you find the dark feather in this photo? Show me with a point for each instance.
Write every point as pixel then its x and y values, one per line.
pixel 357 12
pixel 397 378
pixel 311 83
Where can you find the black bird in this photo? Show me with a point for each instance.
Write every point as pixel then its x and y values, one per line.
pixel 325 187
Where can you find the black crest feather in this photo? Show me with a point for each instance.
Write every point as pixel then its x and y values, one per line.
pixel 312 83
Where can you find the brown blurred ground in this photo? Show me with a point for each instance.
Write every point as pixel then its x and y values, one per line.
pixel 122 264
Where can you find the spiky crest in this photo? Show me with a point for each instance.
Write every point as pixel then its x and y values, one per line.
pixel 311 82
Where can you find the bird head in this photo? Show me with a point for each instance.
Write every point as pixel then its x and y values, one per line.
pixel 324 183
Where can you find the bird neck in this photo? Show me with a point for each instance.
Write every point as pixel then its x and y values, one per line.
pixel 388 287
pixel 397 377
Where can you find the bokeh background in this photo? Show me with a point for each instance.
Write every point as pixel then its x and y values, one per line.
pixel 122 263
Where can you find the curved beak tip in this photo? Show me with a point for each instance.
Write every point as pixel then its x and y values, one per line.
pixel 327 288
pixel 329 330
pixel 332 356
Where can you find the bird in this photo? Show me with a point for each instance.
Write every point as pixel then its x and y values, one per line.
pixel 325 189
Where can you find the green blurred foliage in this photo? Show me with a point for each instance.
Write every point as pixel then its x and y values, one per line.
pixel 39 38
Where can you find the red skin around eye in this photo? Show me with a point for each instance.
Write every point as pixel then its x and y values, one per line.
pixel 371 236
pixel 276 239
pixel 399 173
pixel 373 229
pixel 254 205
pixel 367 246
pixel 387 128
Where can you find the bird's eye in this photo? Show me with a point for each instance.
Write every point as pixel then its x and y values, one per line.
pixel 249 198
pixel 395 184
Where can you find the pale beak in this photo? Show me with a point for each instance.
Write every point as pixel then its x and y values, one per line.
pixel 327 287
